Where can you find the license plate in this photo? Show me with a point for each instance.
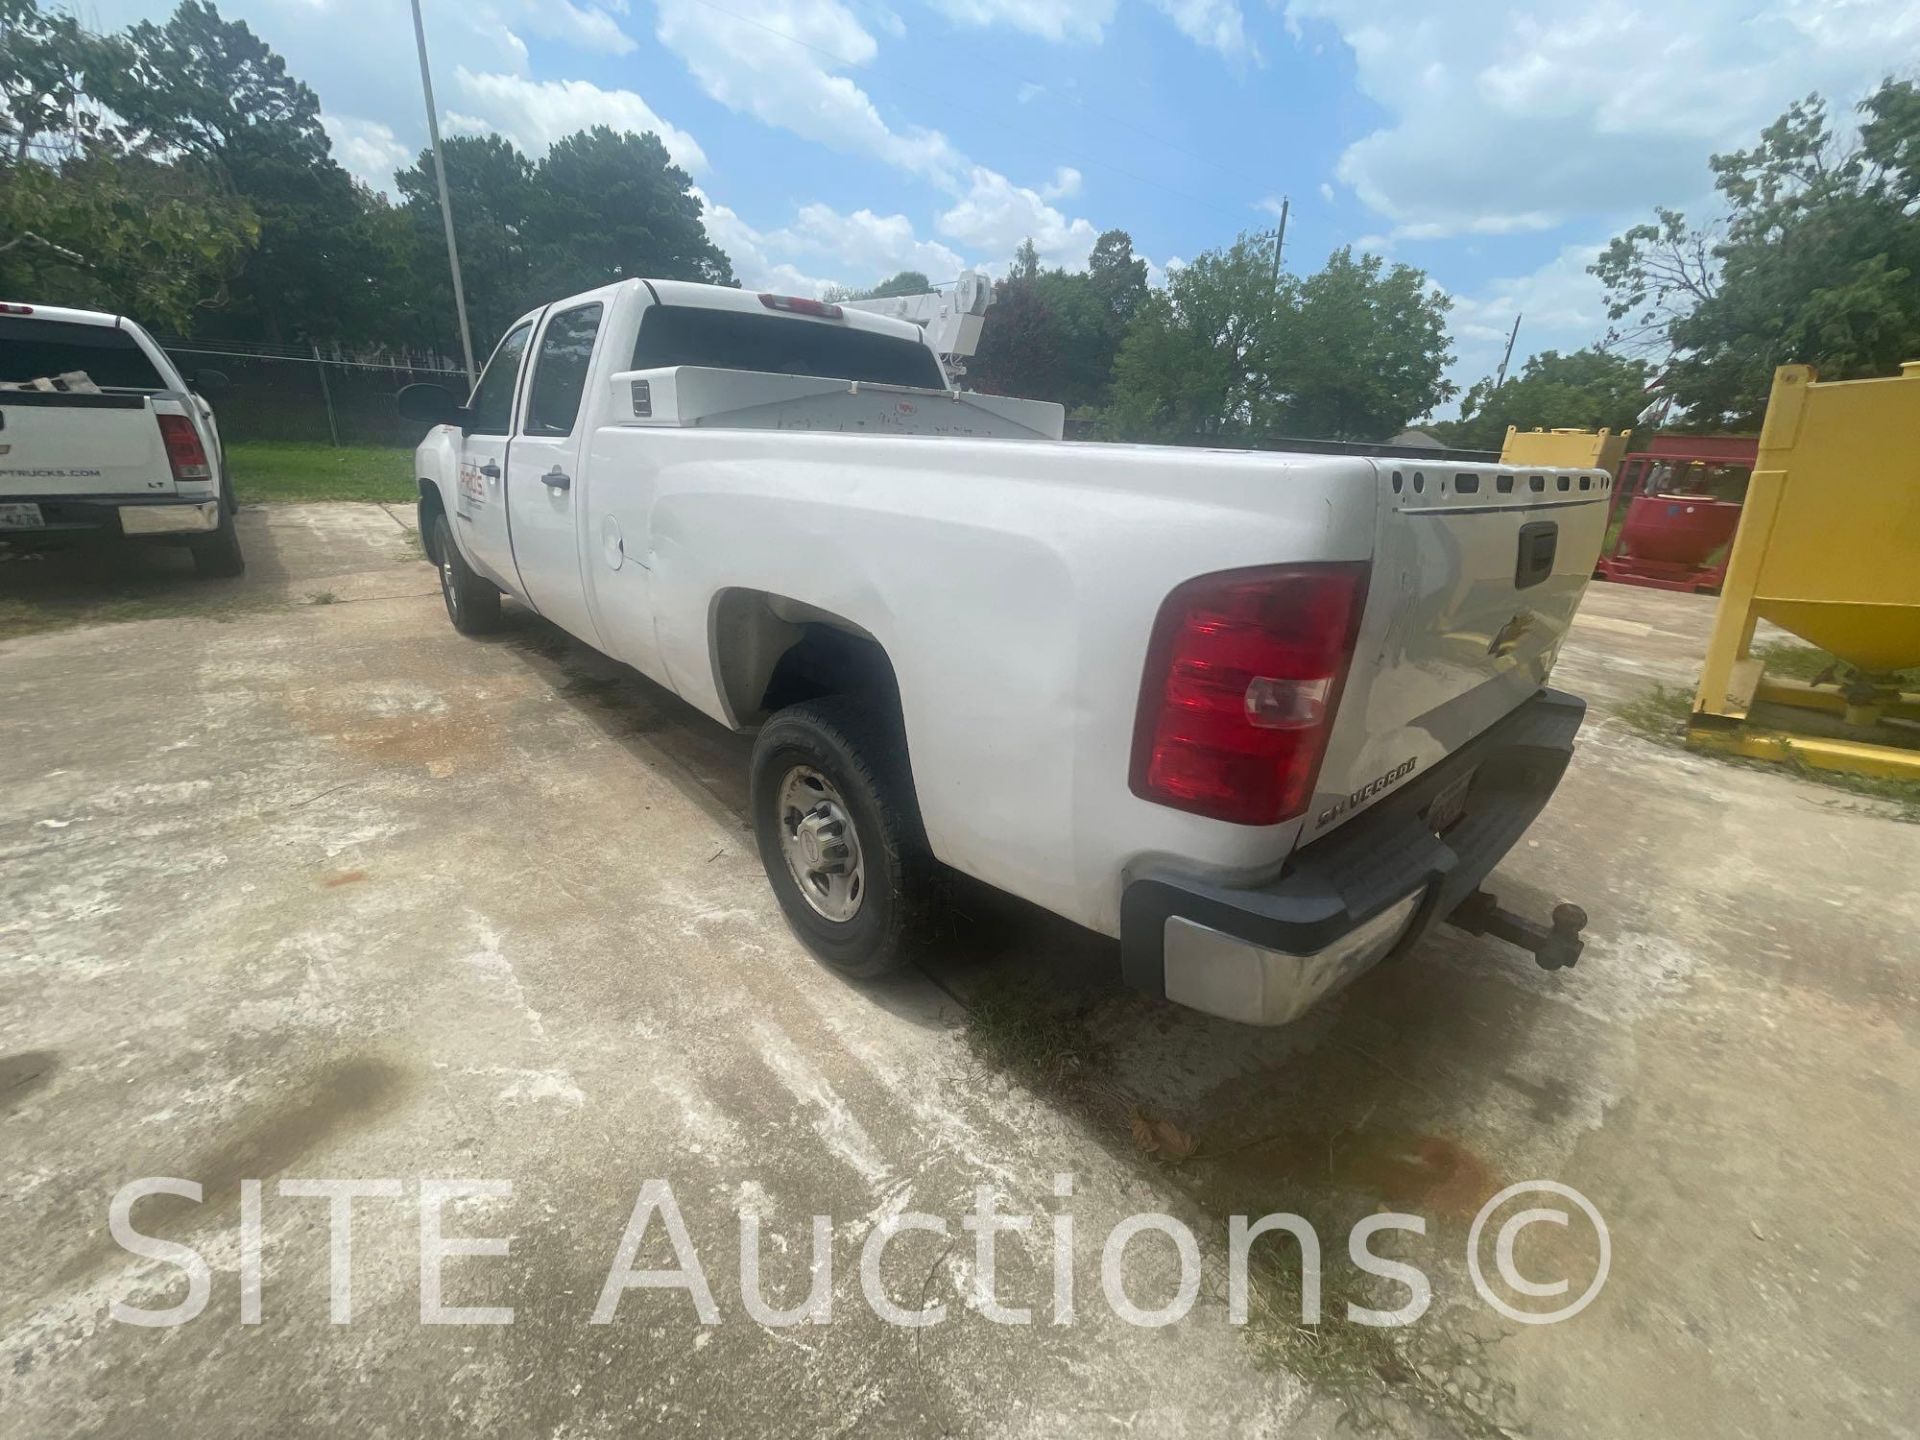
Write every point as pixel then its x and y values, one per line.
pixel 1445 810
pixel 20 517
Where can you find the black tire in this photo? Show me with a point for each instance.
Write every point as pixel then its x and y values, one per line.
pixel 473 605
pixel 864 757
pixel 217 556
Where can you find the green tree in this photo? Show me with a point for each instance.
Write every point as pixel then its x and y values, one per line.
pixel 209 91
pixel 1197 357
pixel 82 222
pixel 611 206
pixel 1019 351
pixel 1815 262
pixel 45 111
pixel 127 234
pixel 1118 278
pixel 1351 353
pixel 905 282
pixel 1362 349
pixel 1026 261
pixel 491 186
pixel 1085 314
pixel 1589 389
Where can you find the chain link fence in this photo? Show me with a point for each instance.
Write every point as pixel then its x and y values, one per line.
pixel 276 393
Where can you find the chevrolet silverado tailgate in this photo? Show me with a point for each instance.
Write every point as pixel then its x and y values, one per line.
pixel 1475 580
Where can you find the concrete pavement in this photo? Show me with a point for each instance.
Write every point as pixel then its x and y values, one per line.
pixel 329 891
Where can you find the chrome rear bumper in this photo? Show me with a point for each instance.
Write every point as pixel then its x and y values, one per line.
pixel 1265 954
pixel 191 518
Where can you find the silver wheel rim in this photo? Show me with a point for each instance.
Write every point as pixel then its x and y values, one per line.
pixel 821 846
pixel 447 592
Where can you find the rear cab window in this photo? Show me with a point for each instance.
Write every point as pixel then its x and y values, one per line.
pixel 33 349
pixel 780 344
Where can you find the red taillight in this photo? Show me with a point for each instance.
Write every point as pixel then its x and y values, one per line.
pixel 1243 674
pixel 185 453
pixel 799 305
pixel 6 309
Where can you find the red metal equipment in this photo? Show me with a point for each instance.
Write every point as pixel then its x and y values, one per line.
pixel 1678 504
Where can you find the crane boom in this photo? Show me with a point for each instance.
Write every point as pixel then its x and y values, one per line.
pixel 952 319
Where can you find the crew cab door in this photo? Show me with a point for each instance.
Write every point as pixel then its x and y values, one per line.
pixel 480 506
pixel 543 499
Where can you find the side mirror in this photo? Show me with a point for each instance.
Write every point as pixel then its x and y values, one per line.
pixel 433 404
pixel 209 382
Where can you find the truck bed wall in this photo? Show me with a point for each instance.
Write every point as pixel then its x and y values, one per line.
pixel 1014 587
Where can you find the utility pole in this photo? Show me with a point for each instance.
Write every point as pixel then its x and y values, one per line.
pixel 1501 378
pixel 446 205
pixel 1280 238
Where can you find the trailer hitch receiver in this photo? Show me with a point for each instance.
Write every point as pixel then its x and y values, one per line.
pixel 1555 947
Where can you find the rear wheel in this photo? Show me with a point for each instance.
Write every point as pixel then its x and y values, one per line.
pixel 839 835
pixel 473 605
pixel 217 556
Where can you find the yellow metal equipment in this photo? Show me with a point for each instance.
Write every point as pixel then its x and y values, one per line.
pixel 1565 449
pixel 1828 548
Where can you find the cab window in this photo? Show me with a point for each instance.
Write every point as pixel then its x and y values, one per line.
pixel 491 408
pixel 560 371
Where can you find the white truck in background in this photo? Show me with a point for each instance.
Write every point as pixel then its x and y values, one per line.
pixel 1264 717
pixel 101 436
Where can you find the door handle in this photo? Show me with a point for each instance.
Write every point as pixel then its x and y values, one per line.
pixel 557 478
pixel 490 470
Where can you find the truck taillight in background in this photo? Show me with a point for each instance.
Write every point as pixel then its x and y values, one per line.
pixel 185 453
pixel 1243 676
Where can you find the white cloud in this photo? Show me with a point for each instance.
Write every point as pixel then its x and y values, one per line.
pixel 535 113
pixel 1157 275
pixel 1029 90
pixel 1272 204
pixel 1561 307
pixel 1215 24
pixel 590 28
pixel 1506 119
pixel 367 150
pixel 752 263
pixel 1326 192
pixel 782 67
pixel 995 215
pixel 1064 185
pixel 858 249
pixel 1083 20
pixel 867 246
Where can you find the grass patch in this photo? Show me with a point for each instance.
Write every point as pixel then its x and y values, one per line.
pixel 1787 661
pixel 35 617
pixel 1021 1030
pixel 1661 715
pixel 268 470
pixel 1391 1380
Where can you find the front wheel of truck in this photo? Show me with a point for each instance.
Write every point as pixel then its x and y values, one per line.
pixel 840 837
pixel 473 605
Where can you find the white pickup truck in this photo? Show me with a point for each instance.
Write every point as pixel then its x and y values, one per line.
pixel 1263 717
pixel 100 436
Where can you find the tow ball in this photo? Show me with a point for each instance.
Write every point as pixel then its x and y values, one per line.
pixel 1555 947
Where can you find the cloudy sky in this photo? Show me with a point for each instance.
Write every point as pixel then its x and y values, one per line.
pixel 1496 145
